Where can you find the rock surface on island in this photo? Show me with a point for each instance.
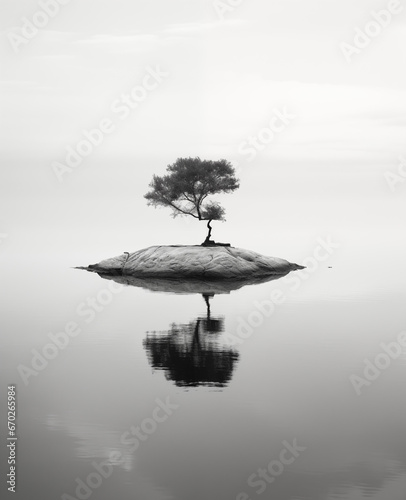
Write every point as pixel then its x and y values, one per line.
pixel 218 262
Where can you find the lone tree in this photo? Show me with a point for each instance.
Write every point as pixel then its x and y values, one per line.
pixel 187 185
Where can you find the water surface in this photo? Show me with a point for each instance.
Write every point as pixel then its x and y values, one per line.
pixel 241 384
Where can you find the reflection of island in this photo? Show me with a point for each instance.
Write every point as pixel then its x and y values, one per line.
pixel 189 286
pixel 190 354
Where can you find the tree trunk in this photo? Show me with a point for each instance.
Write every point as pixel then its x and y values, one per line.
pixel 209 233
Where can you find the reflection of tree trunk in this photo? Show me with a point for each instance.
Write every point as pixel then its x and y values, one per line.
pixel 206 299
pixel 196 343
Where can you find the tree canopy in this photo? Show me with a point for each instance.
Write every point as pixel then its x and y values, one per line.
pixel 187 185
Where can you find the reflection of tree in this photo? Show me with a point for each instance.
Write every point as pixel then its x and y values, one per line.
pixel 211 325
pixel 189 353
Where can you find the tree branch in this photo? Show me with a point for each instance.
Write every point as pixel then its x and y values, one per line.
pixel 171 204
pixel 187 198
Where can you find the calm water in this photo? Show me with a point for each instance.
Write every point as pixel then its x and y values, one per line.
pixel 196 396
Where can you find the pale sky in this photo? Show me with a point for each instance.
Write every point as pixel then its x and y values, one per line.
pixel 224 79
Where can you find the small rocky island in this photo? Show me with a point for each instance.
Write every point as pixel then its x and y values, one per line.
pixel 218 262
pixel 206 267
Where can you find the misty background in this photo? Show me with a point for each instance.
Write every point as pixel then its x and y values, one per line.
pixel 323 174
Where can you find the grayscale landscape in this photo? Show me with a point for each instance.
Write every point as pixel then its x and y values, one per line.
pixel 202 250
